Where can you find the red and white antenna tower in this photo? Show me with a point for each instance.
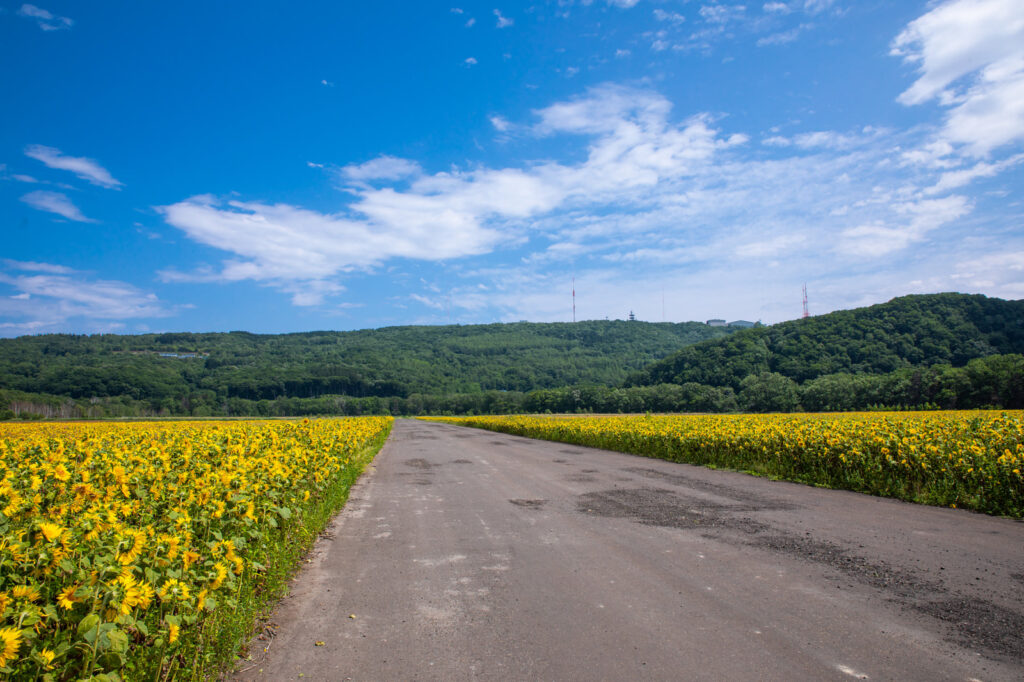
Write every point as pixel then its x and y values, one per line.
pixel 573 299
pixel 806 313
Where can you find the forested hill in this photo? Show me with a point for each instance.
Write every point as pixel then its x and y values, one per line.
pixel 393 361
pixel 908 331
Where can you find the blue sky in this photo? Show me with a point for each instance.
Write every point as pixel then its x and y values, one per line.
pixel 272 167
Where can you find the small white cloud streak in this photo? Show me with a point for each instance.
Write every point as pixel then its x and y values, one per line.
pixel 55 202
pixel 84 168
pixel 45 19
pixel 671 17
pixel 502 21
pixel 381 168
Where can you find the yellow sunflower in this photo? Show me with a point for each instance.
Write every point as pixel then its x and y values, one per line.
pixel 66 598
pixel 10 642
pixel 51 531
pixel 47 657
pixel 27 592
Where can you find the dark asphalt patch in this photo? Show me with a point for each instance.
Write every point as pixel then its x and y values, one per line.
pixel 651 506
pixel 418 463
pixel 529 504
pixel 976 621
pixel 758 502
pixel 580 478
pixel 897 583
pixel 461 461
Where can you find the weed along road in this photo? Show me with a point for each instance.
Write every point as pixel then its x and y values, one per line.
pixel 466 554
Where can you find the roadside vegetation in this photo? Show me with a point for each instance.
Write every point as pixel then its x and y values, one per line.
pixel 146 551
pixel 967 459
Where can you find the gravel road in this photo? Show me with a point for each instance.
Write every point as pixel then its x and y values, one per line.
pixel 465 554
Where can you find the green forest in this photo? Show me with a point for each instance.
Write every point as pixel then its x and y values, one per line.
pixel 923 351
pixel 394 369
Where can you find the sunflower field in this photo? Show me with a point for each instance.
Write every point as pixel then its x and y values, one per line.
pixel 146 550
pixel 969 459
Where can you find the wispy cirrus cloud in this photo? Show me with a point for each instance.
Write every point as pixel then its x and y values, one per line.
pixel 49 297
pixel 33 266
pixel 86 169
pixel 45 19
pixel 56 202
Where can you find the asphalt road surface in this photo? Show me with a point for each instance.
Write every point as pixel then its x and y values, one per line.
pixel 465 554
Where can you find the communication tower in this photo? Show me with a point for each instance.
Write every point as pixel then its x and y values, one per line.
pixel 806 313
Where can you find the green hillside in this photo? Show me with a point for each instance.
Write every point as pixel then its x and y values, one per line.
pixel 389 362
pixel 921 330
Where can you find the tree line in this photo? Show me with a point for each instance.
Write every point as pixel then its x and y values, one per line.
pixel 943 351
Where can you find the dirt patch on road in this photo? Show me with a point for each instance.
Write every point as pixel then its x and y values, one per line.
pixel 418 463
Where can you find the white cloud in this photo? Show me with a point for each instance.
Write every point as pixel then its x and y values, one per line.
pixel 45 19
pixel 782 37
pixel 32 266
pixel 470 22
pixel 777 141
pixel 381 168
pixel 671 17
pixel 623 4
pixel 470 61
pixel 55 202
pixel 86 169
pixel 722 14
pixel 828 139
pixel 770 247
pixel 500 123
pixel 777 8
pixel 46 302
pixel 921 217
pixel 456 10
pixel 970 56
pixel 502 22
pixel 622 53
pixel 452 214
pixel 958 178
pixel 25 178
pixel 817 6
pixel 429 302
